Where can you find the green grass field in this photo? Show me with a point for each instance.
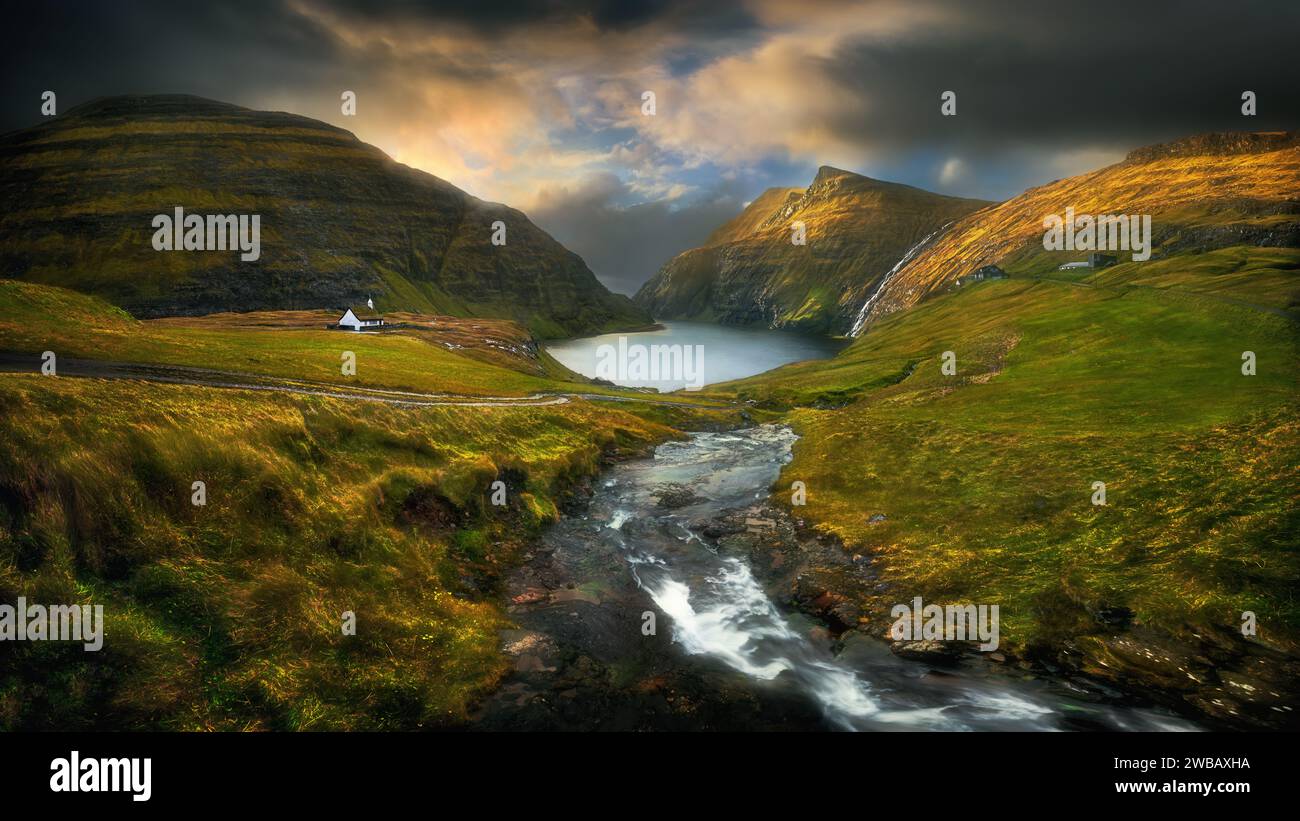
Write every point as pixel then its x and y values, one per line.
pixel 229 615
pixel 40 318
pixel 1246 274
pixel 985 479
pixel 37 318
pixel 1261 276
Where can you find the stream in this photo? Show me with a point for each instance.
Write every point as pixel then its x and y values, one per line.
pixel 685 539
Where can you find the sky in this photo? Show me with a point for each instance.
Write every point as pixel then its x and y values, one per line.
pixel 540 104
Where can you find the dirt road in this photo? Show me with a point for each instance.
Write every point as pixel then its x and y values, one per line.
pixel 11 362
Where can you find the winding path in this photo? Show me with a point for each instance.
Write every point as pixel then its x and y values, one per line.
pixel 13 362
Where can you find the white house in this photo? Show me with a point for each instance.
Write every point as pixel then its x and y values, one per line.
pixel 358 318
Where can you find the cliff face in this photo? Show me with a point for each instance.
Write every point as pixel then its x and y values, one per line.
pixel 339 219
pixel 749 271
pixel 1203 192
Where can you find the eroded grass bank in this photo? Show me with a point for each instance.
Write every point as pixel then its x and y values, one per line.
pixel 229 615
pixel 978 487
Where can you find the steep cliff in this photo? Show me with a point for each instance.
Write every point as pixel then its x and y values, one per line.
pixel 750 271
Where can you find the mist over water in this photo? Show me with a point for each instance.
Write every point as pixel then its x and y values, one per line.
pixel 729 352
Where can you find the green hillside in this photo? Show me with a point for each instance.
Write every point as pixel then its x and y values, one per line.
pixel 1202 193
pixel 340 221
pixel 978 487
pixel 749 271
pixel 227 616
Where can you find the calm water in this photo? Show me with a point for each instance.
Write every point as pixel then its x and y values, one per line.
pixel 720 351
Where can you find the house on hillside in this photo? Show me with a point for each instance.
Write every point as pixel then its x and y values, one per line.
pixel 361 318
pixel 989 272
pixel 982 273
pixel 1095 260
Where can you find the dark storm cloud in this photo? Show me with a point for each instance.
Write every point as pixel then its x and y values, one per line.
pixel 1029 74
pixel 492 18
pixel 626 245
pixel 244 51
pixel 1104 71
pixel 87 50
pixel 536 103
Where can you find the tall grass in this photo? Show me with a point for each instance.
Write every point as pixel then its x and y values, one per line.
pixel 228 615
pixel 984 479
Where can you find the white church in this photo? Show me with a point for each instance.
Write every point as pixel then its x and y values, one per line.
pixel 359 318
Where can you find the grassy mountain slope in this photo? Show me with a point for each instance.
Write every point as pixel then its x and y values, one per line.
pixel 751 272
pixel 340 221
pixel 978 487
pixel 1204 193
pixel 750 220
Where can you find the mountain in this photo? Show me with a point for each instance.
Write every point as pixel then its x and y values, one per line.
pixel 750 272
pixel 339 221
pixel 1206 192
pixel 751 219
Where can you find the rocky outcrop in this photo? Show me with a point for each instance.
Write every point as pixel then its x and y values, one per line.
pixel 1217 143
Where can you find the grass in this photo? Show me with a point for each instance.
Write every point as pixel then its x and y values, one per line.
pixel 1263 276
pixel 228 615
pixel 294 345
pixel 985 478
pixel 38 318
pixel 1196 198
pixel 1253 275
